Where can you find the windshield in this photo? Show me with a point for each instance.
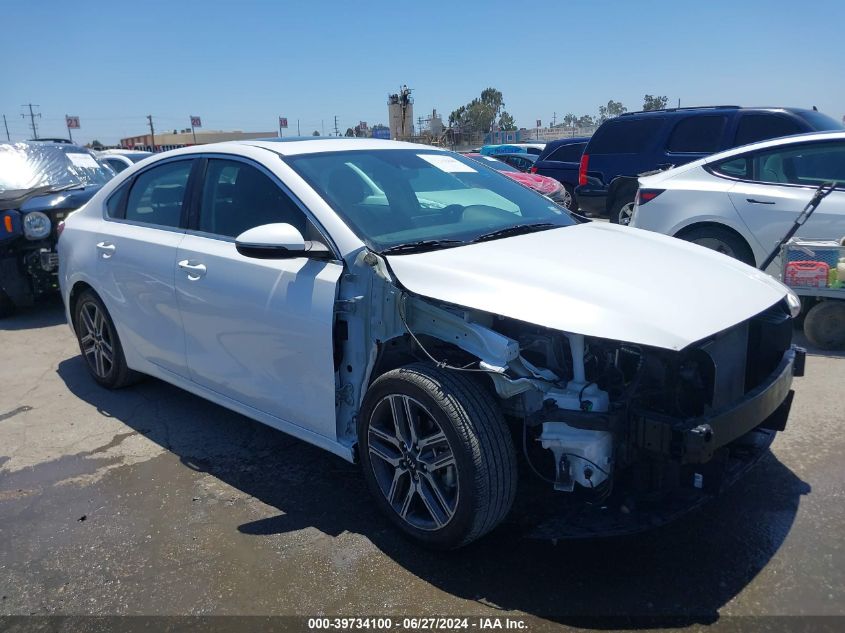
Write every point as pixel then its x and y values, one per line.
pixel 27 166
pixel 395 197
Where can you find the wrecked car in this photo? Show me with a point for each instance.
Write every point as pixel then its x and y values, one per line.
pixel 413 310
pixel 40 184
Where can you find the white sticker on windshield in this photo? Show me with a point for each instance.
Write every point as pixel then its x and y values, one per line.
pixel 446 163
pixel 83 160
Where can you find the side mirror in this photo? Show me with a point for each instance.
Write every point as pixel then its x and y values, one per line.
pixel 278 241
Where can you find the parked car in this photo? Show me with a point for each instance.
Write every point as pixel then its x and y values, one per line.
pixel 40 184
pixel 742 202
pixel 419 329
pixel 541 184
pixel 120 159
pixel 522 162
pixel 634 143
pixel 560 160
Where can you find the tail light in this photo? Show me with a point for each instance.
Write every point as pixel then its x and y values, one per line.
pixel 647 195
pixel 533 170
pixel 7 223
pixel 582 169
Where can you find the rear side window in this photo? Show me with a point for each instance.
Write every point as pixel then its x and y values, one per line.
pixel 237 196
pixel 567 153
pixel 760 127
pixel 158 194
pixel 697 135
pixel 624 136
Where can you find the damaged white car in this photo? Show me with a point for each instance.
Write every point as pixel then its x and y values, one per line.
pixel 416 311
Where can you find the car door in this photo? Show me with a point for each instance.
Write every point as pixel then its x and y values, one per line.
pixel 258 331
pixel 778 184
pixel 136 255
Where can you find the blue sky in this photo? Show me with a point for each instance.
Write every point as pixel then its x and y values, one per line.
pixel 241 64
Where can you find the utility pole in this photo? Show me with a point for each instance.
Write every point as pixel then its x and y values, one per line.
pixel 336 131
pixel 298 133
pixel 32 116
pixel 6 125
pixel 152 132
pixel 323 126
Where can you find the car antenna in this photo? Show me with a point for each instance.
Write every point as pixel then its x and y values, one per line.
pixel 821 193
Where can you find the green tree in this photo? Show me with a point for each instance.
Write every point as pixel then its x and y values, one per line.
pixel 611 110
pixel 506 122
pixel 570 120
pixel 481 113
pixel 585 121
pixel 651 102
pixel 315 133
pixel 350 132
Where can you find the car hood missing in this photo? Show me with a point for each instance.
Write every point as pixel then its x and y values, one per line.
pixel 599 280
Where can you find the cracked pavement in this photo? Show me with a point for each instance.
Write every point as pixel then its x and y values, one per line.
pixel 151 501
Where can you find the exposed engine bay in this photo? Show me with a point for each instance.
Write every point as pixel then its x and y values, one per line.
pixel 593 415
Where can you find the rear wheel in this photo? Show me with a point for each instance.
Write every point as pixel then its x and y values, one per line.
pixel 437 454
pixel 720 240
pixel 99 343
pixel 622 209
pixel 824 324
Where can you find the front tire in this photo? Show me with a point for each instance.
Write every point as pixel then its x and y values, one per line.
pixel 437 454
pixel 99 343
pixel 824 325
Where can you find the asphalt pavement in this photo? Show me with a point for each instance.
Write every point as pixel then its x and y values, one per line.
pixel 151 501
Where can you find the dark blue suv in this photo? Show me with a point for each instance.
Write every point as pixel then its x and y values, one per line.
pixel 639 142
pixel 560 160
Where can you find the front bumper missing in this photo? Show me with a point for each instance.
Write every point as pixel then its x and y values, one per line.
pixel 738 437
pixel 694 441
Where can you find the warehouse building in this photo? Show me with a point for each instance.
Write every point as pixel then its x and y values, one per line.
pixel 184 138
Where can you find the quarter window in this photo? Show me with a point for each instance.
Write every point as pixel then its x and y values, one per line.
pixel 237 196
pixel 158 194
pixel 760 127
pixel 697 135
pixel 568 153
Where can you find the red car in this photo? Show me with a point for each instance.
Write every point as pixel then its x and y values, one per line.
pixel 541 184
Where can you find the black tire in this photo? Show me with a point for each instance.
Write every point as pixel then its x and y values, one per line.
pixel 573 201
pixel 732 244
pixel 115 374
pixel 824 325
pixel 484 463
pixel 622 199
pixel 7 307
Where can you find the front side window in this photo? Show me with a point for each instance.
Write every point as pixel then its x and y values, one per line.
pixel 697 135
pixel 117 165
pixel 396 197
pixel 237 196
pixel 157 195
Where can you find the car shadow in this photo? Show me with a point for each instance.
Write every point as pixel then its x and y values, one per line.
pixel 47 312
pixel 677 575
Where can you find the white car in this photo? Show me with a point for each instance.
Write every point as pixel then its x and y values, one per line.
pixel 417 311
pixel 742 202
pixel 120 159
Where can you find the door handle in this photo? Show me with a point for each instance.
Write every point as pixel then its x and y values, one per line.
pixel 195 271
pixel 755 201
pixel 106 249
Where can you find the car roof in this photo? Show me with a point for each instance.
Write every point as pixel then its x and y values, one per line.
pixel 517 154
pixel 691 110
pixel 572 140
pixel 306 145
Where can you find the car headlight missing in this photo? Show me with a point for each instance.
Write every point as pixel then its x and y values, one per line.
pixel 36 225
pixel 794 304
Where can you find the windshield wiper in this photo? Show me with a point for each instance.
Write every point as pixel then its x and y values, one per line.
pixel 419 246
pixel 517 229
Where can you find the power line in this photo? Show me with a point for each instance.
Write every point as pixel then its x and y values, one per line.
pixel 32 116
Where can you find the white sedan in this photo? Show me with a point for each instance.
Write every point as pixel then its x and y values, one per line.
pixel 742 202
pixel 415 310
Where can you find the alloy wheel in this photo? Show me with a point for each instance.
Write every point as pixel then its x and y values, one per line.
pixel 413 462
pixel 626 213
pixel 714 243
pixel 95 339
